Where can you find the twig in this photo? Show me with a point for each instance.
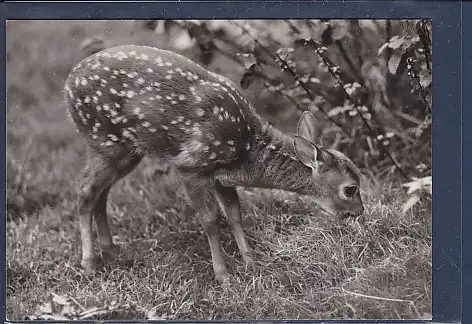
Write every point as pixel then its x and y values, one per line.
pixel 349 62
pixel 412 303
pixel 77 303
pixel 408 117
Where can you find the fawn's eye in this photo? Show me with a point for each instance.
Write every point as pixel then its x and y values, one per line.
pixel 350 191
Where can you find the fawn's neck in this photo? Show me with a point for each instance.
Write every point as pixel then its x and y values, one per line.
pixel 272 164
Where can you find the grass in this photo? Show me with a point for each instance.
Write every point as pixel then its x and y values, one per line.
pixel 309 266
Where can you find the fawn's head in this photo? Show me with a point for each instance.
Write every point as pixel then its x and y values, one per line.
pixel 336 180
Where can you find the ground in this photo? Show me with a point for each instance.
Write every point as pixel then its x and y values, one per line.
pixel 308 265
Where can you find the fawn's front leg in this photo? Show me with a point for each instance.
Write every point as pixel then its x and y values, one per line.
pixel 229 202
pixel 205 205
pixel 85 205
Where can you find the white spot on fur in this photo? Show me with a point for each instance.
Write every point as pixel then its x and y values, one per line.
pixel 113 137
pixel 200 112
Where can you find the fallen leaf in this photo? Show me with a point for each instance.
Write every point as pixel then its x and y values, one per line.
pixel 411 202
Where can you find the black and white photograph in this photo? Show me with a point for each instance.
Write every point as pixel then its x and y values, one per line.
pixel 218 169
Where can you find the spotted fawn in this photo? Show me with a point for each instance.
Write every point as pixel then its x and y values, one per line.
pixel 130 101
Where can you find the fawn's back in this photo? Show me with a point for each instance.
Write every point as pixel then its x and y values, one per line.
pixel 156 102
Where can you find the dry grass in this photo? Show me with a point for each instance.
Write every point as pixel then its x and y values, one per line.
pixel 309 266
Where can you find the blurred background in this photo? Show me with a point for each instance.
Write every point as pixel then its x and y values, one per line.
pixel 367 81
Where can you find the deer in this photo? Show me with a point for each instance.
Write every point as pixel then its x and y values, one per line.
pixel 131 101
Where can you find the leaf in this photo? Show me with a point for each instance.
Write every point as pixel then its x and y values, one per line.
pixel 339 32
pixel 411 202
pixel 382 48
pixel 396 42
pixel 69 310
pixel 152 314
pixel 61 300
pixel 338 110
pixel 393 63
pixel 182 41
pixel 425 80
pixel 412 186
pixel 429 189
pixel 47 307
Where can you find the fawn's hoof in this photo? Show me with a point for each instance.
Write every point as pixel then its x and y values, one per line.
pixel 250 267
pixel 222 278
pixel 89 267
pixel 110 252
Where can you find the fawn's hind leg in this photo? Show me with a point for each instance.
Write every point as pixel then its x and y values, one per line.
pixel 229 202
pixel 99 210
pixel 99 175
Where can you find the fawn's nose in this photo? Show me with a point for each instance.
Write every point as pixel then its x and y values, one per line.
pixel 353 214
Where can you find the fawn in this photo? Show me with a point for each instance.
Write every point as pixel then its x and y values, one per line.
pixel 130 101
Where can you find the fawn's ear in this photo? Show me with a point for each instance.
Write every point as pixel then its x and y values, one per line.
pixel 309 128
pixel 308 153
